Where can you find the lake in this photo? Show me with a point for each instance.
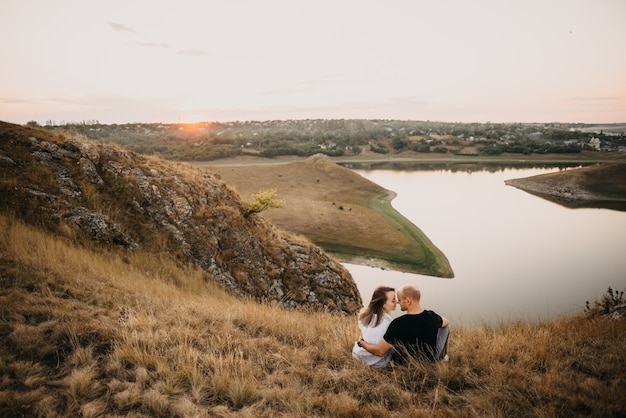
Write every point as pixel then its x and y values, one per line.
pixel 514 255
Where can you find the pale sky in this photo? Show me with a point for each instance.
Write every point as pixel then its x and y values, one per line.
pixel 126 61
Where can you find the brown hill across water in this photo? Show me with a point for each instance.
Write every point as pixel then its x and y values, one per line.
pixel 341 211
pixel 597 186
pixel 101 196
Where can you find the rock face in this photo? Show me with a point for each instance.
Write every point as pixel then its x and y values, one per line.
pixel 95 193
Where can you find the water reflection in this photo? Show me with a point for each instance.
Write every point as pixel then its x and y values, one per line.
pixel 457 167
pixel 514 255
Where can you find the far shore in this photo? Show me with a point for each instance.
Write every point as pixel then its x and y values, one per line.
pixel 586 157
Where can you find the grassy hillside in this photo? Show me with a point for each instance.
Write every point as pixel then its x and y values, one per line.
pixel 108 333
pixel 344 213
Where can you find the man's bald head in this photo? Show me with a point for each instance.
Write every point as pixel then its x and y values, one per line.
pixel 410 291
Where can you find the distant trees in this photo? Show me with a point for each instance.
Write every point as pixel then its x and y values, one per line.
pixel 529 147
pixel 208 141
pixel 397 143
pixel 378 149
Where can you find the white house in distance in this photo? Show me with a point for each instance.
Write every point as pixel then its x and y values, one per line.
pixel 594 143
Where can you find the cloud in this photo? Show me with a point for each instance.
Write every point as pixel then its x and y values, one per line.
pixel 597 99
pixel 151 44
pixel 47 101
pixel 18 101
pixel 121 28
pixel 192 52
pixel 315 86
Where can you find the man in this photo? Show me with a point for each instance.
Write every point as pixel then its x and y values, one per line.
pixel 421 334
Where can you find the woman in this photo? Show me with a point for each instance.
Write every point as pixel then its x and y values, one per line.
pixel 373 322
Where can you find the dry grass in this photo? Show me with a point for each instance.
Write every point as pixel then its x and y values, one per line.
pixel 117 334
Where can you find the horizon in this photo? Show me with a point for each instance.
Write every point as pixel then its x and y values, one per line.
pixel 98 122
pixel 453 62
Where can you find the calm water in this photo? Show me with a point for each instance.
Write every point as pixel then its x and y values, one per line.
pixel 514 255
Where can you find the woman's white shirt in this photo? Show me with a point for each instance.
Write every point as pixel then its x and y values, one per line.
pixel 373 334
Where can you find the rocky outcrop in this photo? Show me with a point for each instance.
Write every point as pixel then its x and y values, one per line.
pixel 569 191
pixel 597 186
pixel 98 193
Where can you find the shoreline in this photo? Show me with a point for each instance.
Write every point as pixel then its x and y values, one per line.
pixel 586 157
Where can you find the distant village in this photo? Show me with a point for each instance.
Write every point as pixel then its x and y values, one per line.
pixel 214 140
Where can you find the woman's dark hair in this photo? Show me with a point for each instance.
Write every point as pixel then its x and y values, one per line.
pixel 375 307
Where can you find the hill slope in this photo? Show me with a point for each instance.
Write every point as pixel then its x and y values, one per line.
pixel 597 186
pixel 102 196
pixel 344 213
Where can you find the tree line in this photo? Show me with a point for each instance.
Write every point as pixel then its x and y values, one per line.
pixel 207 141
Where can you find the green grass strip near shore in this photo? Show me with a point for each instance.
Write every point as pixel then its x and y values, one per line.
pixel 434 261
pixel 422 257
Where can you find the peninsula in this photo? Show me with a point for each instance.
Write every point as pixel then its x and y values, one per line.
pixel 596 186
pixel 347 215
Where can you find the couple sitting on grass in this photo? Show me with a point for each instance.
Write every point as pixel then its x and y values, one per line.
pixel 420 333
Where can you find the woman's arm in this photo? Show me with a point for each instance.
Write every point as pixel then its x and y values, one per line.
pixel 379 349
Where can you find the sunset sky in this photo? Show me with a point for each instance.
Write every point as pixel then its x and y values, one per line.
pixel 186 61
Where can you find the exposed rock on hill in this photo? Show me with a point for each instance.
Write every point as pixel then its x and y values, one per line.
pixel 101 194
pixel 598 186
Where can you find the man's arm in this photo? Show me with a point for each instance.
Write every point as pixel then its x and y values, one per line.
pixel 379 349
pixel 445 322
